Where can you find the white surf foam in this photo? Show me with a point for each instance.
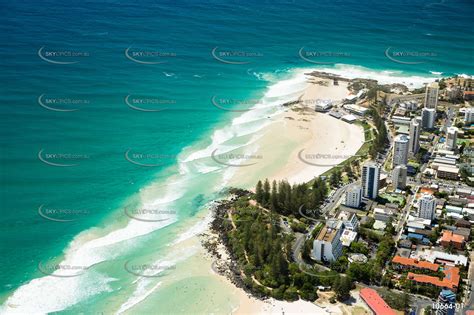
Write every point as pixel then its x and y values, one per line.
pixel 84 251
pixel 383 77
pixel 38 296
pixel 51 294
pixel 141 291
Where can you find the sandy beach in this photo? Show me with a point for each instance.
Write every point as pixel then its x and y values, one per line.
pixel 301 143
pixel 296 136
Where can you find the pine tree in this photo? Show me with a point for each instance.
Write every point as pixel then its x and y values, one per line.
pixel 342 287
pixel 259 192
pixel 274 197
pixel 266 193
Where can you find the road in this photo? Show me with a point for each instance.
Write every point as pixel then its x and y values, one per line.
pixel 335 198
pixel 469 303
pixel 405 214
pixel 297 249
pixel 297 246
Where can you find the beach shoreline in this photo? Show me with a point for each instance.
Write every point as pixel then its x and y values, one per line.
pixel 299 128
pixel 300 144
pixel 285 122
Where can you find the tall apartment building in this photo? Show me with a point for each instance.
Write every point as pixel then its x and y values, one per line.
pixel 414 143
pixel 428 118
pixel 469 115
pixel 327 245
pixel 431 95
pixel 427 207
pixel 353 197
pixel 370 180
pixel 399 177
pixel 400 151
pixel 451 138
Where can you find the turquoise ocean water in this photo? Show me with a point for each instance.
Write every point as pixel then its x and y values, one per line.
pixel 121 93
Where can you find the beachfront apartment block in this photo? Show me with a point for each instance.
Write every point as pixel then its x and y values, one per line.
pixel 353 197
pixel 427 207
pixel 414 143
pixel 370 180
pixel 431 95
pixel 428 118
pixel 399 177
pixel 451 138
pixel 327 246
pixel 400 151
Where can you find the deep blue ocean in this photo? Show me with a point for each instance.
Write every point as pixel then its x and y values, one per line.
pixel 84 82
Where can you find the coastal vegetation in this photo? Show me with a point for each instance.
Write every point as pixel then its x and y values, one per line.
pixel 261 249
pixel 381 139
pixel 286 199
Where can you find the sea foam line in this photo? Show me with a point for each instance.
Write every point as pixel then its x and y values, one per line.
pixel 36 296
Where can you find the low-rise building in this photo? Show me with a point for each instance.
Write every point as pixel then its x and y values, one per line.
pixel 438 257
pixel 349 118
pixel 461 223
pixel 454 209
pixel 400 120
pixel 464 192
pixel 322 105
pixel 347 237
pixel 468 95
pixel 406 243
pixel 375 302
pixel 399 262
pixel 447 172
pixel 418 223
pixel 450 280
pixel 356 109
pixel 349 220
pixel 357 258
pixel 335 114
pixel 465 232
pixel 383 214
pixel 451 239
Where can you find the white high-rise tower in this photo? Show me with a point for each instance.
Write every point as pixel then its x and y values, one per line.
pixel 400 151
pixel 427 207
pixel 431 95
pixel 414 144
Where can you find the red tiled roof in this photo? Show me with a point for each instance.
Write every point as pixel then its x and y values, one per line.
pixel 415 263
pixel 449 236
pixel 450 280
pixel 375 302
pixel 426 190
